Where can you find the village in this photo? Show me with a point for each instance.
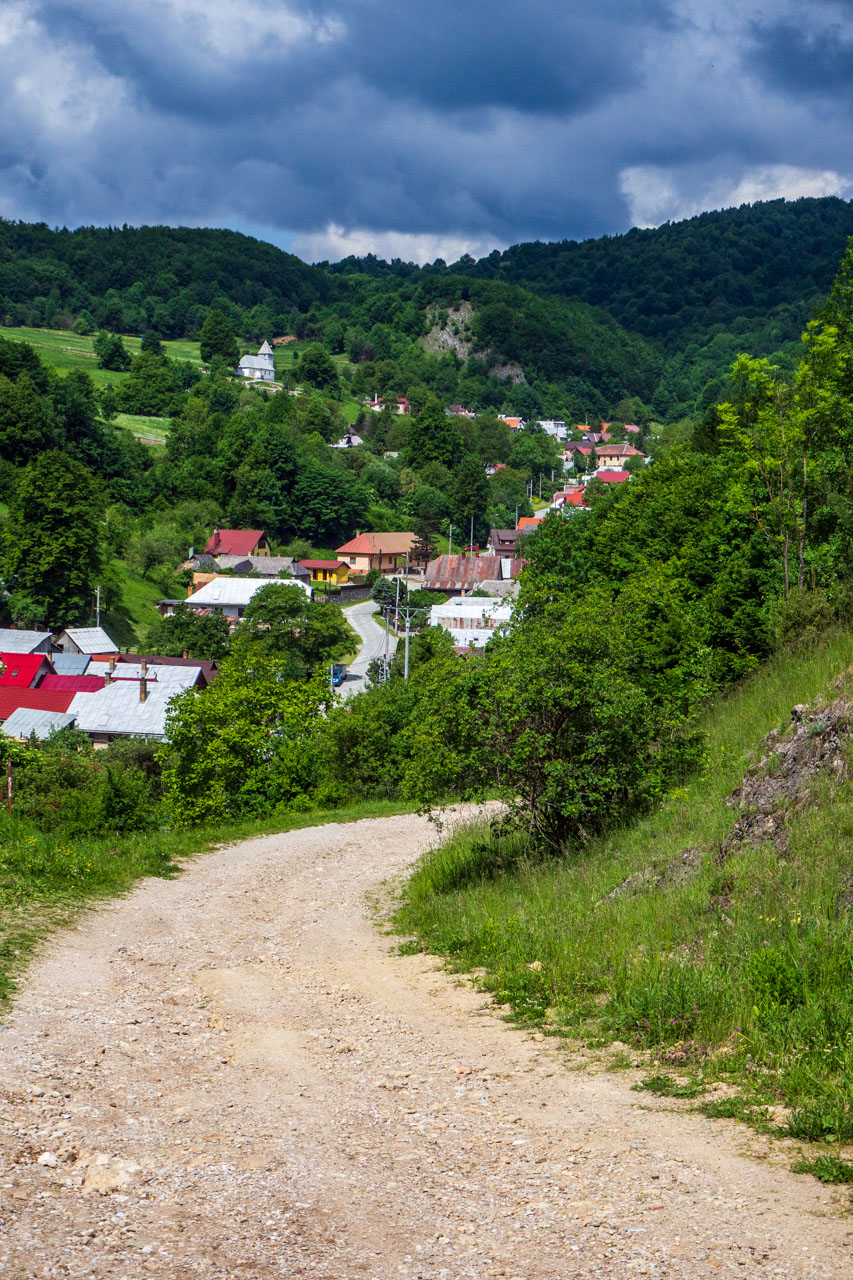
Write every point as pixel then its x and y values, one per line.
pixel 80 678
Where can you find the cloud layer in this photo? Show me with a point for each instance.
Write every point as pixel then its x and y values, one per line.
pixel 418 130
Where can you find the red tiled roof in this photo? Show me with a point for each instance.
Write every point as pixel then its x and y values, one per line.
pixel 36 699
pixel 324 564
pixel 22 668
pixel 613 477
pixel 233 542
pixel 74 684
pixel 373 544
pixel 573 498
pixel 529 522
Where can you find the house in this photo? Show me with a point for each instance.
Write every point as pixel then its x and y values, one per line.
pixel 401 405
pixel 573 448
pixel 85 640
pixel 594 437
pixel 614 455
pixel 503 542
pixel 13 641
pixel 228 596
pixel 349 441
pixel 609 476
pixel 260 367
pixel 266 566
pixel 456 411
pixel 632 429
pixel 23 670
pixel 383 551
pixel 514 424
pixel 554 427
pixel 132 706
pixel 467 573
pixel 471 620
pixel 569 498
pixel 119 664
pixel 13 696
pixel 70 664
pixel 529 524
pixel 238 542
pixel 326 570
pixel 26 722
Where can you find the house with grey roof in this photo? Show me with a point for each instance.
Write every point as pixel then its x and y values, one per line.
pixel 14 641
pixel 133 706
pixel 26 721
pixel 260 367
pixel 228 596
pixel 85 640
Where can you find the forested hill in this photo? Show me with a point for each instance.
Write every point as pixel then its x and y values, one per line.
pixel 133 278
pixel 678 283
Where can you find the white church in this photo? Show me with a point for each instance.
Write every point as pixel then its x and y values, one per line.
pixel 260 366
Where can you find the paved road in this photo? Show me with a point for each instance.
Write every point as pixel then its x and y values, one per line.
pixel 361 619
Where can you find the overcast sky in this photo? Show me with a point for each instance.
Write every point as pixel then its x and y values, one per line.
pixel 418 128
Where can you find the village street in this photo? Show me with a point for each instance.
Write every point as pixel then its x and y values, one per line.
pixel 233 1074
pixel 361 619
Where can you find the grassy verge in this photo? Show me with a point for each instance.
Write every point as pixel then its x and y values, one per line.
pixel 129 621
pixel 733 973
pixel 46 880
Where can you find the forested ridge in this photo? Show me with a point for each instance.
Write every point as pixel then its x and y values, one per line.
pixel 656 315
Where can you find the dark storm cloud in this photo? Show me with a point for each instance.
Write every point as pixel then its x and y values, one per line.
pixel 796 59
pixel 414 127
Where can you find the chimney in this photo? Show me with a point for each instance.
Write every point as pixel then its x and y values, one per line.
pixel 143 689
pixel 108 677
pixel 143 667
pixel 186 653
pixel 112 664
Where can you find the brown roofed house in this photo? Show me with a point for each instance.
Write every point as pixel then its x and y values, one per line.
pixel 238 542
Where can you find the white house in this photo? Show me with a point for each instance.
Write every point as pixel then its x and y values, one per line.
pixel 261 366
pixel 554 427
pixel 229 596
pixel 471 620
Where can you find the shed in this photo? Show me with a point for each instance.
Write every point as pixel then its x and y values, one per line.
pixel 85 640
pixel 13 641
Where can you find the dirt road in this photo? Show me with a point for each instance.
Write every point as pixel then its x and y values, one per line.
pixel 231 1074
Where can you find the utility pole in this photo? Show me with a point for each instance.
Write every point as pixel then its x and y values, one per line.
pixel 407 611
pixel 540 485
pixel 472 536
pixel 450 547
pixel 98 607
pixel 385 672
pixel 397 610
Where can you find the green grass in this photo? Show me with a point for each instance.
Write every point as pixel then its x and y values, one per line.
pixel 150 430
pixel 65 350
pixel 46 880
pixel 826 1169
pixel 742 974
pixel 128 623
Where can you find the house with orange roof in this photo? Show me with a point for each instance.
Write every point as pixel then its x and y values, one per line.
pixel 383 551
pixel 514 424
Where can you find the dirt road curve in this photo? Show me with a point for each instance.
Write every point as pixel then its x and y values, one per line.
pixel 231 1075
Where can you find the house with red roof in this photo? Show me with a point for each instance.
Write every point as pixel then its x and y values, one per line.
pixel 527 524
pixel 326 570
pixel 12 697
pixel 514 424
pixel 238 542
pixel 615 455
pixel 606 476
pixel 23 670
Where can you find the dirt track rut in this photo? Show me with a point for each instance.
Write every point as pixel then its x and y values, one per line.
pixel 231 1074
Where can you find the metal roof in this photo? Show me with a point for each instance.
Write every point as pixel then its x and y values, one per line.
pixel 116 710
pixel 27 721
pixel 70 664
pixel 12 697
pixel 23 641
pixel 22 668
pixel 89 639
pixel 74 684
pixel 235 592
pixel 160 674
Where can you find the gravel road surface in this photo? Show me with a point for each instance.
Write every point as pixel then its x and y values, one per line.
pixel 232 1074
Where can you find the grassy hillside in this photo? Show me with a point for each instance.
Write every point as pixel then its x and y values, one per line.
pixel 726 969
pixel 64 350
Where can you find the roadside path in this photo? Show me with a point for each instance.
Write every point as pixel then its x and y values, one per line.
pixel 361 619
pixel 233 1075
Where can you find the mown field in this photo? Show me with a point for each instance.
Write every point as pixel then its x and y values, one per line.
pixel 65 350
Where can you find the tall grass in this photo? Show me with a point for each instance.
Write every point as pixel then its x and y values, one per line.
pixel 738 969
